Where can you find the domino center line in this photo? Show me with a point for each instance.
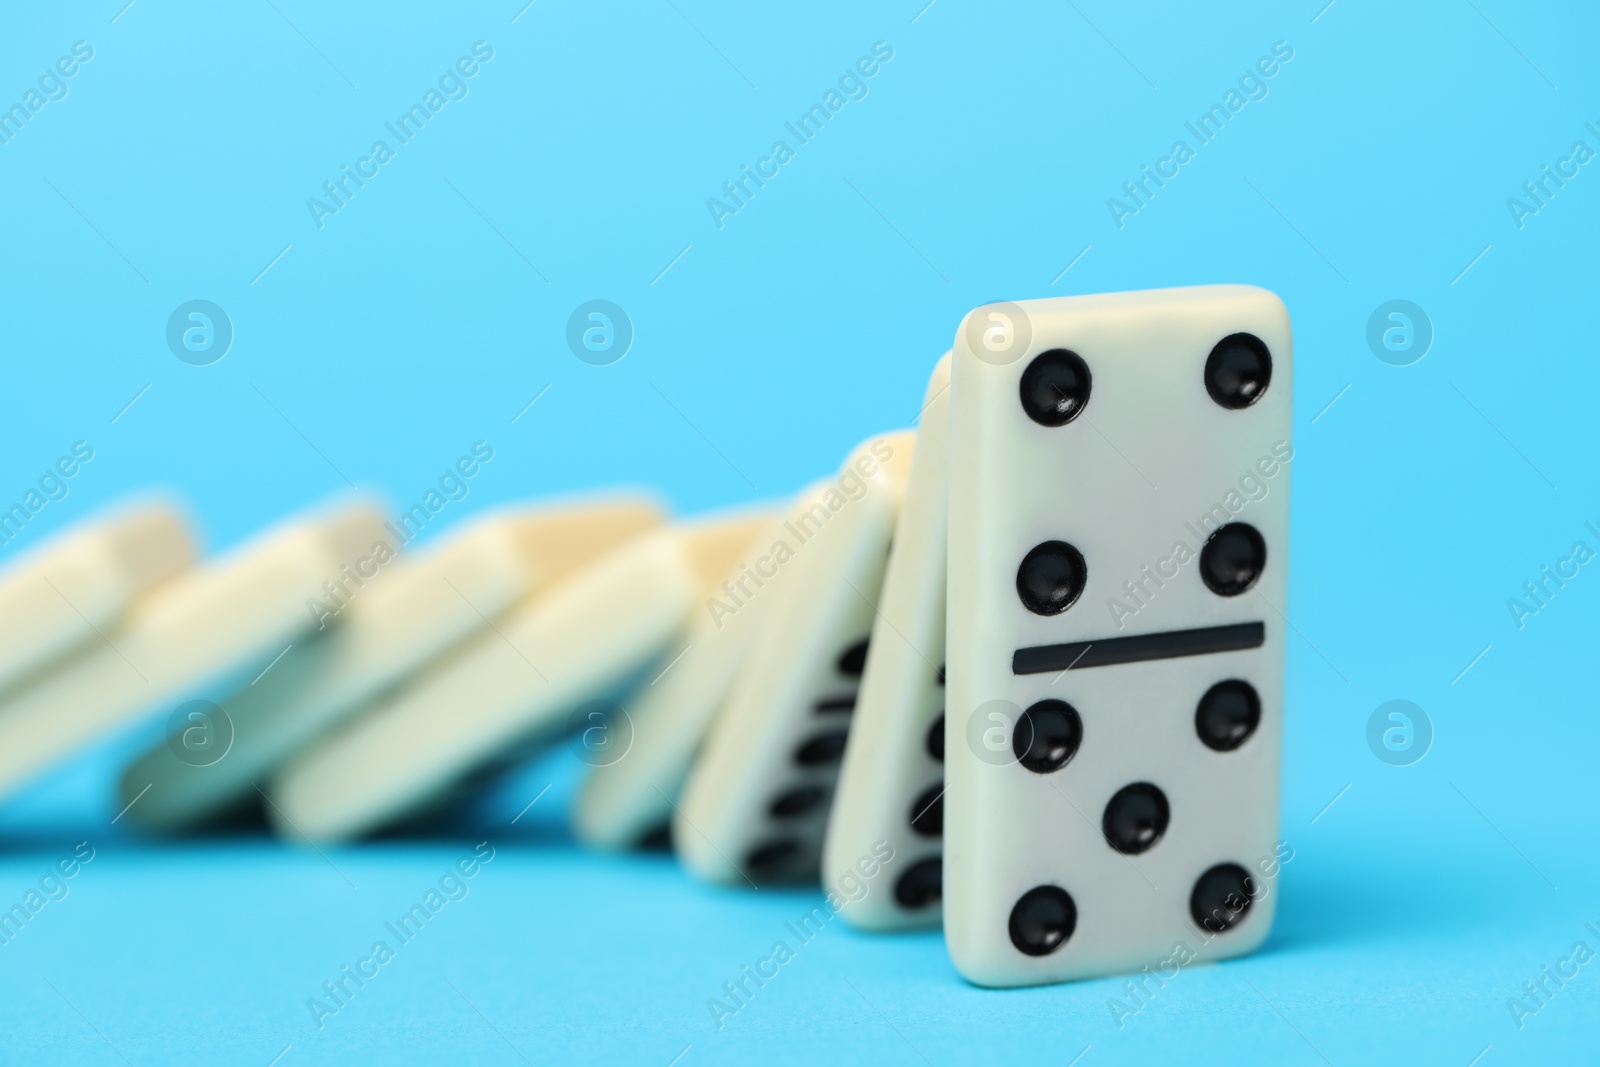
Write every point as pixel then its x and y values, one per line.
pixel 1110 651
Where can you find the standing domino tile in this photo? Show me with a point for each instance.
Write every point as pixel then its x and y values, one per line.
pixel 628 802
pixel 57 597
pixel 217 625
pixel 891 786
pixel 1118 565
pixel 394 622
pixel 504 688
pixel 756 803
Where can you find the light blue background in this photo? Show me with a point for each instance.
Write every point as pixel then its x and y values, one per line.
pixel 417 321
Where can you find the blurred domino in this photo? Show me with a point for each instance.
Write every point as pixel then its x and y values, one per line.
pixel 891 785
pixel 627 802
pixel 60 595
pixel 218 624
pixel 1115 706
pixel 503 688
pixel 396 622
pixel 756 802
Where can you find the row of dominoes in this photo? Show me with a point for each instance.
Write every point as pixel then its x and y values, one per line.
pixel 1052 612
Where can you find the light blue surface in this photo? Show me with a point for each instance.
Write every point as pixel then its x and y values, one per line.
pixel 428 312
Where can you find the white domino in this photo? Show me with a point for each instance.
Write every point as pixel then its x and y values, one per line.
pixel 629 801
pixel 389 626
pixel 58 597
pixel 505 688
pixel 1118 561
pixel 891 783
pixel 214 626
pixel 756 802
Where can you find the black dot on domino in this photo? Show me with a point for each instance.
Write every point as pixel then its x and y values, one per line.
pixel 853 660
pixel 935 739
pixel 772 855
pixel 1221 897
pixel 1055 387
pixel 920 885
pixel 1232 559
pixel 1227 715
pixel 1136 818
pixel 1051 578
pixel 927 814
pixel 656 839
pixel 1047 736
pixel 823 748
pixel 1042 920
pixel 796 802
pixel 1238 371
